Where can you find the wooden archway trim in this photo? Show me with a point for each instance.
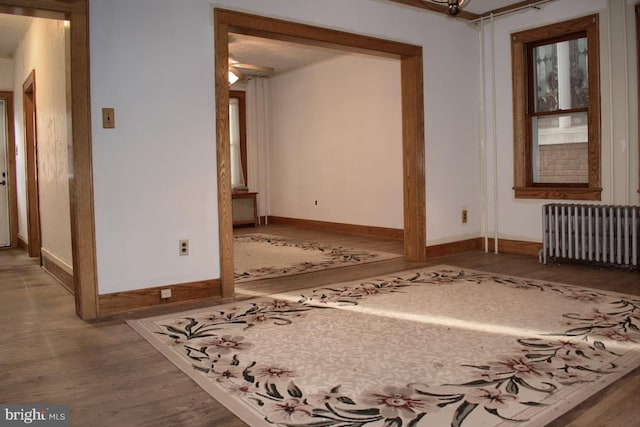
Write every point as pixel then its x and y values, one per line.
pixel 413 150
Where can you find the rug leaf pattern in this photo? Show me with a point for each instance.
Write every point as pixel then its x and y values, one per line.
pixel 509 388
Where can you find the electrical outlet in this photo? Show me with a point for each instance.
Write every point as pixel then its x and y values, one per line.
pixel 165 293
pixel 183 247
pixel 464 216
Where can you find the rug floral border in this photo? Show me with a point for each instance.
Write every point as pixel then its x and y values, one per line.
pixel 540 371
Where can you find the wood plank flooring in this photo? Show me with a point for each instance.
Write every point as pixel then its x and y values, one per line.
pixel 111 377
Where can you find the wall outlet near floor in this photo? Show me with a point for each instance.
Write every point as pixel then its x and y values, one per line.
pixel 183 247
pixel 464 216
pixel 165 293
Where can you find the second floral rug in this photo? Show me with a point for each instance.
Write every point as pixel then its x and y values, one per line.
pixel 261 256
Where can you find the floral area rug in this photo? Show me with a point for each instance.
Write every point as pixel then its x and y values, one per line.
pixel 438 346
pixel 260 256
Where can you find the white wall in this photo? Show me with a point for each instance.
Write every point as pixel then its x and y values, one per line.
pixel 43 49
pixel 452 128
pixel 6 74
pixel 337 138
pixel 155 173
pixel 521 219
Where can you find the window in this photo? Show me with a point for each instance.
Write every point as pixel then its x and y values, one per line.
pixel 238 140
pixel 556 92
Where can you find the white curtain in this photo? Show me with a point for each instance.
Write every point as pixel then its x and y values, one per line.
pixel 237 174
pixel 258 132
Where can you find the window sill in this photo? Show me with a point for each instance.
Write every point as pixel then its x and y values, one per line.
pixel 558 193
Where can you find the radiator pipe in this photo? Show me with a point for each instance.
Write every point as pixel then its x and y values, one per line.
pixel 483 140
pixel 495 138
pixel 611 132
pixel 535 5
pixel 267 144
pixel 626 120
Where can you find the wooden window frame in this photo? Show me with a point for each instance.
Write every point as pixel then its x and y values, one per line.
pixel 524 186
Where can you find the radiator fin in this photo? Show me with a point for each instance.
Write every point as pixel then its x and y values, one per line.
pixel 591 233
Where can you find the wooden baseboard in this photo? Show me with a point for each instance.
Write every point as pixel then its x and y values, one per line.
pixel 51 266
pixel 454 248
pixel 514 247
pixel 475 244
pixel 360 230
pixel 504 246
pixel 118 302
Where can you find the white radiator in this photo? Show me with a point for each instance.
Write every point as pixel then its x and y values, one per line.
pixel 592 233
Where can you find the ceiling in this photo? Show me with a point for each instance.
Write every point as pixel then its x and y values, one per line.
pixel 12 28
pixel 281 56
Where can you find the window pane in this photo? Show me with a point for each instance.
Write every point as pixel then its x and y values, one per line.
pixel 578 66
pixel 546 78
pixel 560 149
pixel 237 175
pixel 560 75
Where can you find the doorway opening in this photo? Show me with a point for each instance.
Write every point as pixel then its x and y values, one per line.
pixel 410 56
pixel 332 122
pixel 80 153
pixel 8 195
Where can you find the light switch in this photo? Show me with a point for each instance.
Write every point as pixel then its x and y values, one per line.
pixel 108 118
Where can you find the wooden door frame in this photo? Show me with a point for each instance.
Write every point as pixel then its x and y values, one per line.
pixel 11 169
pixel 413 145
pixel 637 9
pixel 80 155
pixel 31 164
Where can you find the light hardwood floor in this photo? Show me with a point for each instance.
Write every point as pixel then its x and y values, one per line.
pixel 111 377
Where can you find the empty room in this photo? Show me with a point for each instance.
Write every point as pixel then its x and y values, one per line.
pixel 320 213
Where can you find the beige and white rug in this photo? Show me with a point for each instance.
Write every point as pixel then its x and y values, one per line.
pixel 260 256
pixel 439 346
